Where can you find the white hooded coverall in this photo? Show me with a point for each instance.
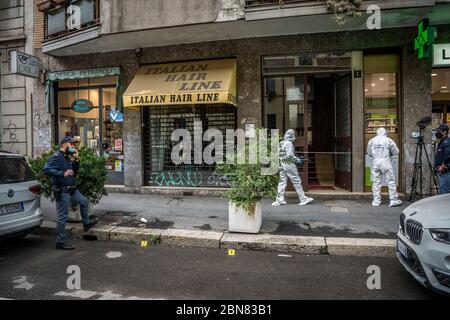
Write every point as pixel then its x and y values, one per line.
pixel 288 167
pixel 380 148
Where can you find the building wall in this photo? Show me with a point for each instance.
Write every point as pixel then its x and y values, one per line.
pixel 124 16
pixel 416 82
pixel 15 106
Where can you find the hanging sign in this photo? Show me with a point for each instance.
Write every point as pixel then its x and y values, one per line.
pixel 82 106
pixel 24 64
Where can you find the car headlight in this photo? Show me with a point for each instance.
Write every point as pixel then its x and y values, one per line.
pixel 441 235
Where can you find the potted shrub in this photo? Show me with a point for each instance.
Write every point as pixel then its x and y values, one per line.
pixel 90 178
pixel 248 186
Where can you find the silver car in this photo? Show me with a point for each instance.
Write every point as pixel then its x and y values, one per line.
pixel 423 242
pixel 20 197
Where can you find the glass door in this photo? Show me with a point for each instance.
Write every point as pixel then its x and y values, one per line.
pixel 286 108
pixel 112 137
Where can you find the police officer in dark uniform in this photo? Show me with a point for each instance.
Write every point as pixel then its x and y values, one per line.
pixel 442 164
pixel 63 172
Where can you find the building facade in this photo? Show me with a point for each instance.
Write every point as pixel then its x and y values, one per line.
pixel 16 116
pixel 134 71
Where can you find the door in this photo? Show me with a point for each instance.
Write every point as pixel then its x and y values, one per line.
pixel 298 117
pixel 343 141
pixel 286 108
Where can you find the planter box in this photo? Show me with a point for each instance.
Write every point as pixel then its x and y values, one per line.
pixel 241 221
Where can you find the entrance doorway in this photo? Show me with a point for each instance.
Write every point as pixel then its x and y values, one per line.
pixel 318 107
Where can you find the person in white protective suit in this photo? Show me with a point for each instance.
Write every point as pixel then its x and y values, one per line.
pixel 288 169
pixel 380 148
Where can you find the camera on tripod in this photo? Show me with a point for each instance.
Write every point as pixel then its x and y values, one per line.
pixel 417 180
pixel 422 123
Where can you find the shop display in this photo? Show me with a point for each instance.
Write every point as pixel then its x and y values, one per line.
pixel 375 121
pixel 112 142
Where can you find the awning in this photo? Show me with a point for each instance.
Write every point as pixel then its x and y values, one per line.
pixel 198 82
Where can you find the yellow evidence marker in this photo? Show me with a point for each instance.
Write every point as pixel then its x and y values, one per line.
pixel 231 252
pixel 144 243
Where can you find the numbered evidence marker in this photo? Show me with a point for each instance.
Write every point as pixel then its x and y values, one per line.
pixel 231 252
pixel 144 244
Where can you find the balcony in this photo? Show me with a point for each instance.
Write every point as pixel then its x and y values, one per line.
pixel 169 22
pixel 68 22
pixel 270 9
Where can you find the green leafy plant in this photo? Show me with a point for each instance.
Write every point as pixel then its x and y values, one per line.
pixel 248 184
pixel 90 178
pixel 343 9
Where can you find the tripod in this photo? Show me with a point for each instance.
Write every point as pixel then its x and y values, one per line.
pixel 418 172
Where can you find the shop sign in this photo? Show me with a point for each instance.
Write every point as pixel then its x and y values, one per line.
pixel 200 82
pixel 84 74
pixel 441 55
pixel 82 106
pixel 24 64
pixel 115 115
pixel 425 39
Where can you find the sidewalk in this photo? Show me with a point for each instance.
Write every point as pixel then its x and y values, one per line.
pixel 332 227
pixel 333 218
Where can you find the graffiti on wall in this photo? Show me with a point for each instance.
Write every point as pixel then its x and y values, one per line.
pixel 10 135
pixel 42 132
pixel 188 178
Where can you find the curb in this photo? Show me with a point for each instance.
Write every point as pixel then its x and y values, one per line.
pixel 209 239
pixel 220 193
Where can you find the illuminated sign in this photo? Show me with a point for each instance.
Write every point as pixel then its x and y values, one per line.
pixel 425 39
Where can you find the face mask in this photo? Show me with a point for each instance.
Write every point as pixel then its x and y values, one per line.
pixel 71 150
pixel 439 135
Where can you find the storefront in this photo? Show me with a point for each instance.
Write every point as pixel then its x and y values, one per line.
pixel 196 96
pixel 441 84
pixel 86 106
pixel 334 92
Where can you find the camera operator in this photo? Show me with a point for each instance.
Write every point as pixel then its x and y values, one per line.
pixel 442 165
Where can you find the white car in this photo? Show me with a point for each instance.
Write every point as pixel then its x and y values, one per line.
pixel 423 242
pixel 20 197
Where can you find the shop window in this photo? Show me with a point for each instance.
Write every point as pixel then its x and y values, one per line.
pixel 90 115
pixel 381 102
pixel 441 96
pixel 160 122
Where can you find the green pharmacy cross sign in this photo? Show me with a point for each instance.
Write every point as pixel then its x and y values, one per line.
pixel 425 39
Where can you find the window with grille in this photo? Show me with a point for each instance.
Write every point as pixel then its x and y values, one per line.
pixel 160 122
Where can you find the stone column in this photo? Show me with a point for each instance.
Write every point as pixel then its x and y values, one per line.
pixel 249 90
pixel 134 164
pixel 358 147
pixel 417 104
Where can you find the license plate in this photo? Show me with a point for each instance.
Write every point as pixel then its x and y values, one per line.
pixel 402 249
pixel 11 209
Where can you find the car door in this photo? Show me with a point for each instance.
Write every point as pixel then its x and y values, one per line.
pixel 17 184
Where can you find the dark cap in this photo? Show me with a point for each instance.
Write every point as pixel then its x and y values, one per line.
pixel 67 139
pixel 443 127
